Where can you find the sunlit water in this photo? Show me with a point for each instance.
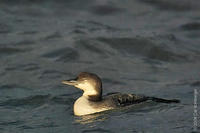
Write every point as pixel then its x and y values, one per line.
pixel 149 47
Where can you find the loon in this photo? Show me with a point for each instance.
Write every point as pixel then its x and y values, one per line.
pixel 92 101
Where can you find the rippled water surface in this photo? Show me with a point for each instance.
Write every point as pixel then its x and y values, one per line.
pixel 149 47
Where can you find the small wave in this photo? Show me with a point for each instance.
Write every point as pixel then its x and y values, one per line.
pixel 174 4
pixel 29 32
pixel 9 50
pixel 52 74
pixel 63 55
pixel 89 45
pixel 24 42
pixel 4 28
pixel 10 86
pixel 99 130
pixel 111 81
pixel 105 10
pixel 191 26
pixel 143 47
pixel 27 101
pixel 9 123
pixel 39 100
pixel 89 26
pixel 196 83
pixel 24 67
pixel 54 35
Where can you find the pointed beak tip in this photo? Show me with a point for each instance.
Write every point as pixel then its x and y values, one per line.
pixel 69 82
pixel 64 82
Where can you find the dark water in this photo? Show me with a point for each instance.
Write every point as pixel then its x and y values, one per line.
pixel 149 47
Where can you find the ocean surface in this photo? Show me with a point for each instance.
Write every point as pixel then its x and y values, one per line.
pixel 149 47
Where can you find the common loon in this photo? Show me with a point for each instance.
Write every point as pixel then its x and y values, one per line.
pixel 92 101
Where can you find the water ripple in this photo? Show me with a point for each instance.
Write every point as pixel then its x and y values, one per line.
pixel 54 35
pixel 9 50
pixel 24 67
pixel 4 28
pixel 9 123
pixel 143 47
pixel 105 10
pixel 84 27
pixel 38 100
pixel 191 26
pixel 99 130
pixel 63 55
pixel 28 101
pixel 174 5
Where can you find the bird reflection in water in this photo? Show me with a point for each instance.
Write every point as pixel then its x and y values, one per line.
pixel 91 118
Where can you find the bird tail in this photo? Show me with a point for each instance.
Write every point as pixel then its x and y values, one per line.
pixel 161 100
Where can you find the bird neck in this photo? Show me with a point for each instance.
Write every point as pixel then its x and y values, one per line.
pixel 93 95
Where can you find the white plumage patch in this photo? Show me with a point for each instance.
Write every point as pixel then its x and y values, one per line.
pixel 88 88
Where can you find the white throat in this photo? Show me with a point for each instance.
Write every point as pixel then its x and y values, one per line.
pixel 87 88
pixel 89 93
